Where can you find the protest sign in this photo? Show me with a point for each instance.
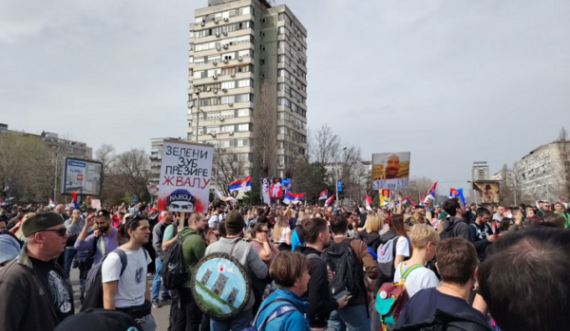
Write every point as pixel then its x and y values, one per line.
pixel 490 191
pixel 96 204
pixel 185 177
pixel 390 170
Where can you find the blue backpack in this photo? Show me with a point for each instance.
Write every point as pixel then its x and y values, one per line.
pixel 278 312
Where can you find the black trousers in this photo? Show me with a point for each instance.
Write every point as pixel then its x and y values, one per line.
pixel 184 314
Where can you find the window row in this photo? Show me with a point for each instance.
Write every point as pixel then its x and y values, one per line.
pixel 225 85
pixel 287 103
pixel 219 30
pixel 230 143
pixel 289 22
pixel 243 112
pixel 245 127
pixel 292 93
pixel 226 99
pixel 228 13
pixel 220 57
pixel 222 43
pixel 287 60
pixel 296 136
pixel 222 71
pixel 296 122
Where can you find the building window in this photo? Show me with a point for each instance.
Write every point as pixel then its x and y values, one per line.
pixel 243 112
pixel 243 127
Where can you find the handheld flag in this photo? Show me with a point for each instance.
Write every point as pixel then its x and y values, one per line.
pixel 51 203
pixel 293 197
pixel 243 184
pixel 1 202
pixel 329 200
pixel 460 192
pixel 324 195
pixel 74 195
pixel 453 193
pixel 368 202
pixel 431 194
pixel 384 197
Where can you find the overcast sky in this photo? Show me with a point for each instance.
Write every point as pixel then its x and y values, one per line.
pixel 451 81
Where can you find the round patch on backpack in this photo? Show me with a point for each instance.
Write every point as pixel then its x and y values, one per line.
pixel 220 286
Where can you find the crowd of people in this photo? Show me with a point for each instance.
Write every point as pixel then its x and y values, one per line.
pixel 449 267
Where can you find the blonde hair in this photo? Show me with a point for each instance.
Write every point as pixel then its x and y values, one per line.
pixel 422 234
pixel 280 224
pixel 374 222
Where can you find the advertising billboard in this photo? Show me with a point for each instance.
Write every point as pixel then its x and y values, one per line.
pixel 82 177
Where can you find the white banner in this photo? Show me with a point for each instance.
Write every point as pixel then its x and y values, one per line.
pixel 185 177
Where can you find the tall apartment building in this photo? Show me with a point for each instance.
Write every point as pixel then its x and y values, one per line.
pixel 236 47
pixel 541 174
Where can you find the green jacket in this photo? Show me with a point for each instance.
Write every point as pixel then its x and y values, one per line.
pixel 193 250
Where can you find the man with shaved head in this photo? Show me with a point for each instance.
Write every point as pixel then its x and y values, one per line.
pixel 392 167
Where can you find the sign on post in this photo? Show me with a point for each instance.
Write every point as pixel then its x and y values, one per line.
pixel 185 177
pixel 339 186
pixel 82 177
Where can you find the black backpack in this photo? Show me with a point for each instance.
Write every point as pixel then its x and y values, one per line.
pixel 341 260
pixel 173 272
pixel 94 282
pixel 443 321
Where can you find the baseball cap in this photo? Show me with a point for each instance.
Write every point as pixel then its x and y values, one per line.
pixel 99 319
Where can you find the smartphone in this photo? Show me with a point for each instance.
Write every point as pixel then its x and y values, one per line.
pixel 341 294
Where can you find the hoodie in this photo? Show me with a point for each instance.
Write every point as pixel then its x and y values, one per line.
pixel 321 303
pixel 293 320
pixel 371 240
pixel 455 227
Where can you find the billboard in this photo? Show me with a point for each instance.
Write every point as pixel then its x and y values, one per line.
pixel 185 177
pixel 390 170
pixel 490 190
pixel 82 177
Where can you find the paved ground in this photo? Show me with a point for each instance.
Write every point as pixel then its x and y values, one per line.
pixel 160 315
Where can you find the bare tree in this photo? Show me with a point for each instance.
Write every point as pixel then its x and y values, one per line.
pixel 417 187
pixel 227 168
pixel 264 134
pixel 131 172
pixel 106 155
pixel 325 147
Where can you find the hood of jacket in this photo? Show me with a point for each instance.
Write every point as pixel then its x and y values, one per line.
pixel 308 250
pixel 301 304
pixel 369 238
pixel 450 222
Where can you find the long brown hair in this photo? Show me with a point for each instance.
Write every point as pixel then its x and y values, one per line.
pixel 280 224
pixel 397 225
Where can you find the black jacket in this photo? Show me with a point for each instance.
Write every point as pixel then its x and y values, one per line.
pixel 25 303
pixel 455 227
pixel 321 303
pixel 371 240
pixel 478 237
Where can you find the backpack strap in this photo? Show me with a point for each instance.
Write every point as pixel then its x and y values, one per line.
pixel 313 256
pixel 277 312
pixel 372 252
pixel 124 260
pixel 408 271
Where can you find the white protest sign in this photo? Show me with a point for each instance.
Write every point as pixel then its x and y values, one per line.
pixel 96 204
pixel 185 177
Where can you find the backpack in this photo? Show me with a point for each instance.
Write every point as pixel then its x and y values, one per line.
pixel 94 282
pixel 443 321
pixel 277 312
pixel 341 260
pixel 386 256
pixel 392 297
pixel 173 272
pixel 220 285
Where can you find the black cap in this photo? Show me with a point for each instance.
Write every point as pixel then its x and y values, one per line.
pixel 99 319
pixel 103 213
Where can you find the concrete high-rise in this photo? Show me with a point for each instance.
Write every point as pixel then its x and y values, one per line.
pixel 236 48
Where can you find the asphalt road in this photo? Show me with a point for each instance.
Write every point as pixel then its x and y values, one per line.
pixel 160 314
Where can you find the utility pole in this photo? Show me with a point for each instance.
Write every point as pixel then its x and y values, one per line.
pixel 197 114
pixel 55 176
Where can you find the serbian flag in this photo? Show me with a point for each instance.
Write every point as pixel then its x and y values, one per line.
pixel 431 194
pixel 460 192
pixel 368 202
pixel 453 193
pixel 293 197
pixel 384 197
pixel 74 195
pixel 423 200
pixel 243 184
pixel 559 199
pixel 408 199
pixel 1 202
pixel 329 200
pixel 324 195
pixel 51 203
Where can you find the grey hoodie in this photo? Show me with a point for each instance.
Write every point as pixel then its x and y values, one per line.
pixel 455 227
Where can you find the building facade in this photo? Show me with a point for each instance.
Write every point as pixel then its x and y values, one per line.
pixel 244 53
pixel 59 146
pixel 543 174
pixel 156 158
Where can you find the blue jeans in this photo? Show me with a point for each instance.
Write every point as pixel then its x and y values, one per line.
pixel 157 282
pixel 353 318
pixel 240 322
pixel 68 256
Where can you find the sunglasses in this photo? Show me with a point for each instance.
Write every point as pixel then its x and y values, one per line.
pixel 62 232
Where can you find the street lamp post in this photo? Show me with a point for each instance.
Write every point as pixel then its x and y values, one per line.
pixel 337 197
